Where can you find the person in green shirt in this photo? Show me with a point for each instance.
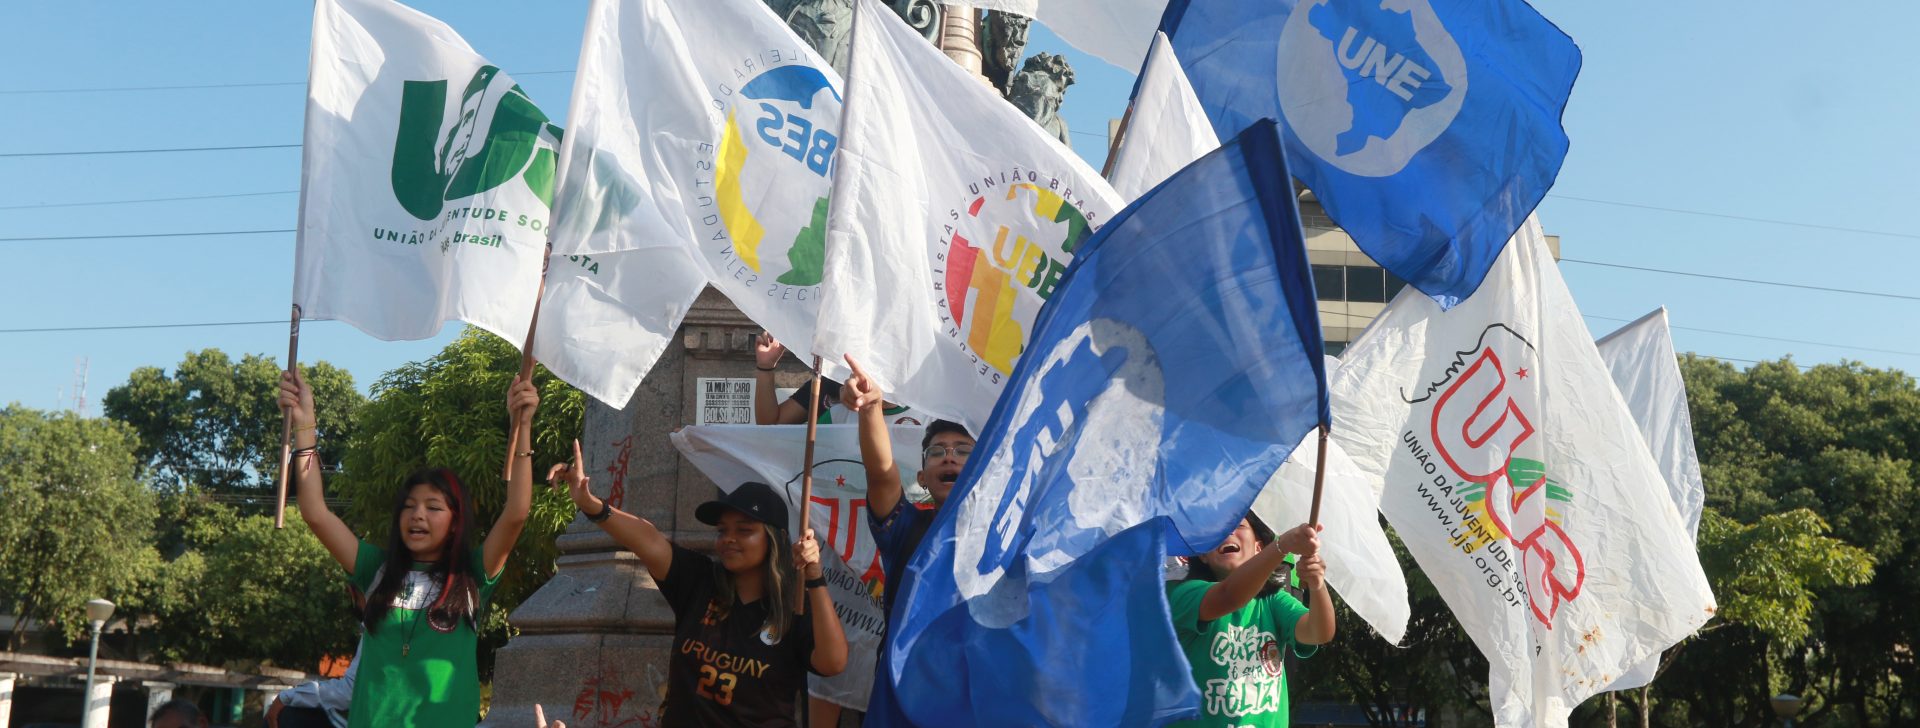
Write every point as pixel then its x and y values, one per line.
pixel 428 587
pixel 1235 623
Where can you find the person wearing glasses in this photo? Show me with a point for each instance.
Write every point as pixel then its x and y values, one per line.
pixel 899 525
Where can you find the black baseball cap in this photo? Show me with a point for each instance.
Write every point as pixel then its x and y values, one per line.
pixel 757 501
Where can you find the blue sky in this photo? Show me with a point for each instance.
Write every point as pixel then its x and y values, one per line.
pixel 1771 110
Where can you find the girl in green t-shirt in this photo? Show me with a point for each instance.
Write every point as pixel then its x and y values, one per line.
pixel 426 589
pixel 1236 624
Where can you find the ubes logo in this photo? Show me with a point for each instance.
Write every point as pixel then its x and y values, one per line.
pixel 1481 424
pixel 771 176
pixel 998 259
pixel 1367 84
pixel 495 134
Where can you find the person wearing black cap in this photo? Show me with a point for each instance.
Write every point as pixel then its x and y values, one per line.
pixel 740 651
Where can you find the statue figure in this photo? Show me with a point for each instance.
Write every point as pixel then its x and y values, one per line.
pixel 825 24
pixel 1004 39
pixel 1038 89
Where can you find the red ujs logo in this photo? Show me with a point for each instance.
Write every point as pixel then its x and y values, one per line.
pixel 1482 425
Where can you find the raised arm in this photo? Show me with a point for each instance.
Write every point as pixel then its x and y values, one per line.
pixel 861 394
pixel 1230 594
pixel 296 399
pixel 523 399
pixel 632 532
pixel 829 639
pixel 1317 626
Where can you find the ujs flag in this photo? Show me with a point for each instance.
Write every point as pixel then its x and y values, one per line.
pixel 425 181
pixel 1428 128
pixel 1172 372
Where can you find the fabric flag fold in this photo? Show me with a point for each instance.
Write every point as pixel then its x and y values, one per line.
pixel 1167 127
pixel 701 139
pixel 1175 367
pixel 1361 565
pixel 1429 179
pixel 1641 359
pixel 426 176
pixel 735 454
pixel 954 218
pixel 1510 466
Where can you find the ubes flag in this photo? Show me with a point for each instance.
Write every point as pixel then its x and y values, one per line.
pixel 1429 129
pixel 700 144
pixel 1177 364
pixel 735 454
pixel 954 218
pixel 1513 471
pixel 425 183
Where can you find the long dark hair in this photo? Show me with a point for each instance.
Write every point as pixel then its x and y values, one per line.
pixel 458 599
pixel 780 580
pixel 1198 569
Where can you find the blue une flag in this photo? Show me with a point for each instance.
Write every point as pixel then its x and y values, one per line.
pixel 1176 366
pixel 1429 129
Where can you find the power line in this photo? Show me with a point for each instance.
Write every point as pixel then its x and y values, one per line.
pixel 1724 216
pixel 143 235
pixel 133 327
pixel 1742 280
pixel 1767 338
pixel 147 199
pixel 100 152
pixel 186 87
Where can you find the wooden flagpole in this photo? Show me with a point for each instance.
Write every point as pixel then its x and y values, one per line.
pixel 526 361
pixel 286 427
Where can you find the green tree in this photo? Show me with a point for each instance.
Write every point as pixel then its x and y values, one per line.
pixel 75 523
pixel 450 411
pixel 214 423
pixel 246 592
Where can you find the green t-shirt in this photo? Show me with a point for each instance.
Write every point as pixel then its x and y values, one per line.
pixel 412 674
pixel 1238 660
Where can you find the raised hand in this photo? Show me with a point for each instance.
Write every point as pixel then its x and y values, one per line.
pixel 296 398
pixel 522 400
pixel 573 477
pixel 859 391
pixel 767 351
pixel 1302 539
pixel 806 556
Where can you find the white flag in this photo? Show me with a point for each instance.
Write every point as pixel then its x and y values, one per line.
pixel 1640 356
pixel 1167 130
pixel 700 140
pixel 1117 31
pixel 1360 560
pixel 954 217
pixel 1511 468
pixel 734 454
pixel 425 182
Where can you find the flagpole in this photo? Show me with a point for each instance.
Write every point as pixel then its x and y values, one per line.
pixel 1319 476
pixel 286 427
pixel 526 361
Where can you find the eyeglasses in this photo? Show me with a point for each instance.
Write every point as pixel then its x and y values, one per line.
pixel 960 452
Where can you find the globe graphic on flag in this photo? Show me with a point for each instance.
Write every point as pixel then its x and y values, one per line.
pixel 1367 84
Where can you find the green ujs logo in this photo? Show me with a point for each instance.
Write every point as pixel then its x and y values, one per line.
pixel 498 135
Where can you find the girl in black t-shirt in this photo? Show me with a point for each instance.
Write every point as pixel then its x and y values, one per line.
pixel 742 646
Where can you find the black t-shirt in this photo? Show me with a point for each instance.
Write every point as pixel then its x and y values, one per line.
pixel 730 672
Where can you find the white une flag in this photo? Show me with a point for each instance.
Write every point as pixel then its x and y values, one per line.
pixel 735 454
pixel 1168 128
pixel 1511 468
pixel 699 144
pixel 1360 561
pixel 954 217
pixel 1115 30
pixel 425 181
pixel 1640 356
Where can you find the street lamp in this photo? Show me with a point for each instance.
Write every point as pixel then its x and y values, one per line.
pixel 1786 705
pixel 98 610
